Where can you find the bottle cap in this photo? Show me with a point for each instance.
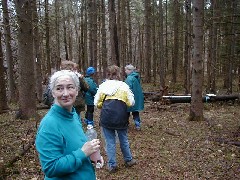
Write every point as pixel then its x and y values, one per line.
pixel 89 126
pixel 98 165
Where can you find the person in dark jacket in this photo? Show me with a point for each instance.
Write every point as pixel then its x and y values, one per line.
pixel 134 82
pixel 83 87
pixel 80 101
pixel 89 95
pixel 113 97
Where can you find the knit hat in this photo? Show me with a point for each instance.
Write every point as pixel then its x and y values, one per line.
pixel 90 71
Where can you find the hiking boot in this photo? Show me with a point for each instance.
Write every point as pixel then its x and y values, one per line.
pixel 137 123
pixel 130 163
pixel 112 169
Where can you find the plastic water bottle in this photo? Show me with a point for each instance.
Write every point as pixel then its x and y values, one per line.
pixel 91 134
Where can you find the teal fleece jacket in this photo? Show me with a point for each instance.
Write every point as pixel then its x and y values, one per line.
pixel 134 83
pixel 89 96
pixel 58 141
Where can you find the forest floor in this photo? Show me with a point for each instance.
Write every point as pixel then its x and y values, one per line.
pixel 167 147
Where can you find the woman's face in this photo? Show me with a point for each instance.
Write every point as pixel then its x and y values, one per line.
pixel 127 71
pixel 65 92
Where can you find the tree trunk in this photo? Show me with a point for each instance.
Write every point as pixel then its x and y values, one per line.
pixel 196 109
pixel 70 31
pixel 175 58
pixel 130 45
pixel 187 48
pixel 123 33
pixel 92 32
pixel 27 100
pixel 104 38
pixel 47 26
pixel 12 94
pixel 37 55
pixel 147 41
pixel 57 31
pixel 162 67
pixel 65 35
pixel 113 33
pixel 154 42
pixel 3 99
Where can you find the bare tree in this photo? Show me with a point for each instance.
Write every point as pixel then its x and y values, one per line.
pixel 196 109
pixel 113 33
pixel 9 56
pixel 187 48
pixel 147 41
pixel 175 58
pixel 27 100
pixel 162 67
pixel 3 99
pixel 37 55
pixel 47 35
pixel 103 39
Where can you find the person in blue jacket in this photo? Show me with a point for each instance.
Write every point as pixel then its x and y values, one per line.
pixel 89 95
pixel 134 82
pixel 60 140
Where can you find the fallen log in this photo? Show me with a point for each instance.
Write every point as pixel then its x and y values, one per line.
pixel 206 98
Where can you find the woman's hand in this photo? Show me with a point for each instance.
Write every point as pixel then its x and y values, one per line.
pixel 91 147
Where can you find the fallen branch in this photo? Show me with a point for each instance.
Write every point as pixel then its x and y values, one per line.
pixel 3 168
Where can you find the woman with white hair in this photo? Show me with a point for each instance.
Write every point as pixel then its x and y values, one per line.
pixel 60 141
pixel 134 82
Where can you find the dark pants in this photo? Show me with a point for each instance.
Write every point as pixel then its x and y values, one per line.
pixel 89 112
pixel 136 118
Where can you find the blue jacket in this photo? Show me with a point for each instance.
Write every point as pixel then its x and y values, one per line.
pixel 134 82
pixel 59 140
pixel 89 96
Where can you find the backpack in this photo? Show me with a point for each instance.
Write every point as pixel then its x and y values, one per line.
pixel 47 96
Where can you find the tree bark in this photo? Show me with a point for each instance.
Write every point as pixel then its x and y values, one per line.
pixel 12 94
pixel 3 99
pixel 187 47
pixel 175 58
pixel 113 33
pixel 196 109
pixel 27 100
pixel 147 41
pixel 37 55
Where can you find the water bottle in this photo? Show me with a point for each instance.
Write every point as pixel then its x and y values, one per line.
pixel 91 134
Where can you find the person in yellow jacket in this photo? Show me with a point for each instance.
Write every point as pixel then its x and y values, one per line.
pixel 114 97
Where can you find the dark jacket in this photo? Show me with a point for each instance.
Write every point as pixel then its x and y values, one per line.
pixel 113 97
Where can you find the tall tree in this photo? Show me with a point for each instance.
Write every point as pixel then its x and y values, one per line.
pixel 113 33
pixel 3 99
pixel 47 27
pixel 196 109
pixel 37 53
pixel 162 67
pixel 187 47
pixel 27 102
pixel 130 45
pixel 9 56
pixel 147 41
pixel 175 57
pixel 57 32
pixel 104 38
pixel 69 30
pixel 93 32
